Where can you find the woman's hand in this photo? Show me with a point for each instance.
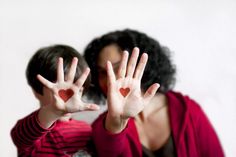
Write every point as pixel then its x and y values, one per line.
pixel 125 98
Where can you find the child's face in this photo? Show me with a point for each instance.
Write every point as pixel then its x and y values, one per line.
pixel 110 53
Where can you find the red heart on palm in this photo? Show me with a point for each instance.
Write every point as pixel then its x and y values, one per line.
pixel 124 91
pixel 66 94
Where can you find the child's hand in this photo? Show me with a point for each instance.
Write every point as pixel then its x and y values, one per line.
pixel 66 95
pixel 125 98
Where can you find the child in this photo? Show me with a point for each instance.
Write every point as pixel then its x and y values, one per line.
pixel 50 131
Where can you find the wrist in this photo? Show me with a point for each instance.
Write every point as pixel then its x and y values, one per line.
pixel 115 124
pixel 47 117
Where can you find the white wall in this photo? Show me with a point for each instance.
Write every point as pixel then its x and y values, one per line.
pixel 200 33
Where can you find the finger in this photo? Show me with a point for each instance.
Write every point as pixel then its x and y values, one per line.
pixel 82 78
pixel 132 62
pixel 44 81
pixel 80 93
pixel 89 107
pixel 123 64
pixel 60 70
pixel 110 74
pixel 141 66
pixel 151 91
pixel 72 71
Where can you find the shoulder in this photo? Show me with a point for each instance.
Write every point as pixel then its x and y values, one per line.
pixel 185 113
pixel 184 104
pixel 100 119
pixel 182 100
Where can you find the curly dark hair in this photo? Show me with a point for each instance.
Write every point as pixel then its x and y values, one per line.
pixel 44 62
pixel 159 68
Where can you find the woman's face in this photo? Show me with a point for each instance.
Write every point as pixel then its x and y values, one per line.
pixel 110 53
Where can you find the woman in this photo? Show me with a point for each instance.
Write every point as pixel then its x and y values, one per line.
pixel 141 121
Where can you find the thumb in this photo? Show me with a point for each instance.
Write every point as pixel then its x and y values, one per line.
pixel 151 91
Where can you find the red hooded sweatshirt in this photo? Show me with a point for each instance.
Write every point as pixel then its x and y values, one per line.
pixel 192 132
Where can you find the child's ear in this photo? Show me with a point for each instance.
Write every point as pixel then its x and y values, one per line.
pixel 43 99
pixel 37 95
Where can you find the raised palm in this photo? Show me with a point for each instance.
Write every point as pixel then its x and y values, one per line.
pixel 125 98
pixel 66 95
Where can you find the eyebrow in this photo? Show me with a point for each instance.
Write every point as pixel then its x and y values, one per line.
pixel 114 65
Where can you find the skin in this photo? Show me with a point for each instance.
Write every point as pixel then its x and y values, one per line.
pixel 103 57
pixel 148 108
pixel 53 108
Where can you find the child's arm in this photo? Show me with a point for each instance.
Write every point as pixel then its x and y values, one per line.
pixel 27 132
pixel 30 130
pixel 64 96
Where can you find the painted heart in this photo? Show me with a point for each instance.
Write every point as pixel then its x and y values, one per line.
pixel 124 91
pixel 66 94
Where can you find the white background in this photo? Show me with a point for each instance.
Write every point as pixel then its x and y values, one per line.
pixel 201 34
